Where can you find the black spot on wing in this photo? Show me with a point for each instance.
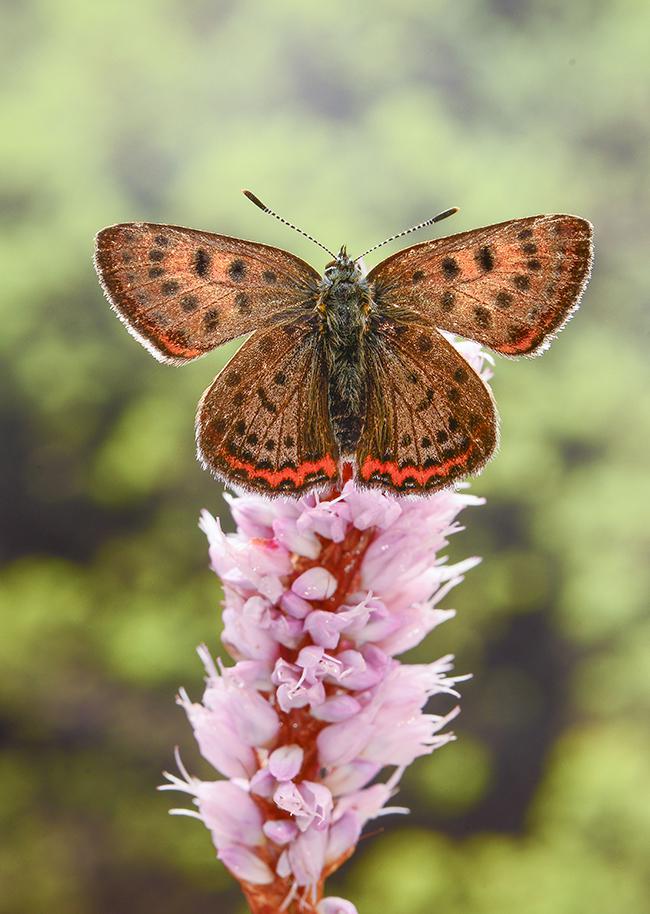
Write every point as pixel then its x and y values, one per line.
pixel 237 270
pixel 202 262
pixel 266 403
pixel 484 258
pixel 211 319
pixel 450 267
pixel 482 316
pixel 447 300
pixel 189 303
pixel 242 303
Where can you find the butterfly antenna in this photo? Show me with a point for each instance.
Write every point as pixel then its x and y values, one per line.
pixel 416 228
pixel 265 209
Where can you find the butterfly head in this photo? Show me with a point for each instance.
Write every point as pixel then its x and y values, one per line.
pixel 341 270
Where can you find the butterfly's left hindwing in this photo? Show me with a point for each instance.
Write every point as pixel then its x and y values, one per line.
pixel 264 423
pixel 430 419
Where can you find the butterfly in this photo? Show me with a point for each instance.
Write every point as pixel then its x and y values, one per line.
pixel 346 367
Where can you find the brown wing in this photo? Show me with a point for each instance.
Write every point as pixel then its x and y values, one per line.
pixel 430 419
pixel 510 286
pixel 264 424
pixel 182 292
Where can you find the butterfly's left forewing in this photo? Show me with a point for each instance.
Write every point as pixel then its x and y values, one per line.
pixel 430 419
pixel 510 286
pixel 264 423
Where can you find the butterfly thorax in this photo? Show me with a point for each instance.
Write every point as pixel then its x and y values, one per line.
pixel 343 306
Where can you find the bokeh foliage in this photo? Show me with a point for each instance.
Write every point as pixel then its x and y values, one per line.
pixel 355 120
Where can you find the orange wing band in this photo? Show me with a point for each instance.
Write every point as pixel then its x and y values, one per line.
pixel 276 477
pixel 421 474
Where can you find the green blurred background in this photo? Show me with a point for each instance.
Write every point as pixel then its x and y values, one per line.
pixel 355 120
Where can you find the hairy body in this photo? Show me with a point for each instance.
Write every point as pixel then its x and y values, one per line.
pixel 345 308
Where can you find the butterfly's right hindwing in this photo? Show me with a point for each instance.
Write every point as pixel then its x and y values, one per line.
pixel 183 292
pixel 264 424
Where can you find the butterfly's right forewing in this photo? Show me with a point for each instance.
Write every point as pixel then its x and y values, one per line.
pixel 264 423
pixel 182 292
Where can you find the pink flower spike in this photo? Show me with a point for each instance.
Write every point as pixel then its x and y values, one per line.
pixel 286 762
pixel 322 595
pixel 315 584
